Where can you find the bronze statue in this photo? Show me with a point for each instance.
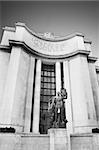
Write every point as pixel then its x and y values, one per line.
pixel 56 110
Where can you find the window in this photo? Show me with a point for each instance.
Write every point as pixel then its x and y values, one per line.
pixel 48 89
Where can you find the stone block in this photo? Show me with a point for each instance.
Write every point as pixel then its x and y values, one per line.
pixel 82 142
pixel 58 139
pixel 96 141
pixel 35 142
pixel 9 142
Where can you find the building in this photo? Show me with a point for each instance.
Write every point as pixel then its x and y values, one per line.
pixel 33 68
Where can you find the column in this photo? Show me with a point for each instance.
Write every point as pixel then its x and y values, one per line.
pixel 12 110
pixel 36 111
pixel 29 95
pixel 68 101
pixel 95 87
pixel 58 77
pixel 84 115
pixel 4 62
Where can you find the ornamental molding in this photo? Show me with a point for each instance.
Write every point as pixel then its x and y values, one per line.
pixel 29 50
pixel 45 44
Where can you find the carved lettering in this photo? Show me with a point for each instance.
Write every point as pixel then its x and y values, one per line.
pixel 47 46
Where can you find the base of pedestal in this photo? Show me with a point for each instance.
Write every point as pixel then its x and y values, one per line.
pixel 58 139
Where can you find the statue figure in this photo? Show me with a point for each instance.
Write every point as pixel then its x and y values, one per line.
pixel 56 110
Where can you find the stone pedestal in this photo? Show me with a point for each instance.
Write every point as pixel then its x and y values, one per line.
pixel 58 139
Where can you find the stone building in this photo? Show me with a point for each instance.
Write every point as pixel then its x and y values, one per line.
pixel 33 68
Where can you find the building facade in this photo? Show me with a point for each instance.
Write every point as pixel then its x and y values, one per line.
pixel 34 67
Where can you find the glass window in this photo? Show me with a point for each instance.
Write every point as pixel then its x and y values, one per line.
pixel 48 89
pixel 45 73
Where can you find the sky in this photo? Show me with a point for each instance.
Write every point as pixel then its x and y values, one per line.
pixel 60 18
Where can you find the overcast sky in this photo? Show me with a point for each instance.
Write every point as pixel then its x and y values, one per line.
pixel 61 18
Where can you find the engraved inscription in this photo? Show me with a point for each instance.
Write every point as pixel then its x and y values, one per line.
pixel 47 46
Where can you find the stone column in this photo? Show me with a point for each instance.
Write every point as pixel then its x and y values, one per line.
pixel 68 101
pixel 36 111
pixel 58 77
pixel 4 62
pixel 12 110
pixel 95 87
pixel 84 115
pixel 29 95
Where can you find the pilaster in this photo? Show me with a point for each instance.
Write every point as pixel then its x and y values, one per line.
pixel 12 110
pixel 29 95
pixel 36 111
pixel 84 114
pixel 95 86
pixel 68 101
pixel 58 76
pixel 4 62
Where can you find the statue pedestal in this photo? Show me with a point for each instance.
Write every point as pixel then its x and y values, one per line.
pixel 58 139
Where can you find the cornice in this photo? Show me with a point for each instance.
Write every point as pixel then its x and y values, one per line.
pixel 97 68
pixel 87 41
pixel 5 48
pixel 92 59
pixel 12 29
pixel 32 51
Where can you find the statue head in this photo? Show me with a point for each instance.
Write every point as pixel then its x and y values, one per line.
pixel 58 94
pixel 63 93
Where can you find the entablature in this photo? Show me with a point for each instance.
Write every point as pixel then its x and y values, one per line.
pixel 47 46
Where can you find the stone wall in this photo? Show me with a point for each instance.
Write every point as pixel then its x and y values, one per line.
pixel 23 142
pixel 82 142
pixel 4 62
pixel 85 142
pixel 35 142
pixel 10 142
pixel 31 141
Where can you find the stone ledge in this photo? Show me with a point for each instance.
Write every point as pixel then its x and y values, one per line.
pixel 92 59
pixel 87 41
pixel 97 68
pixel 5 48
pixel 12 29
pixel 81 135
pixel 33 135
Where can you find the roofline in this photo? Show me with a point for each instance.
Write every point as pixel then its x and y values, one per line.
pixel 56 39
pixel 87 41
pixel 92 58
pixel 9 28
